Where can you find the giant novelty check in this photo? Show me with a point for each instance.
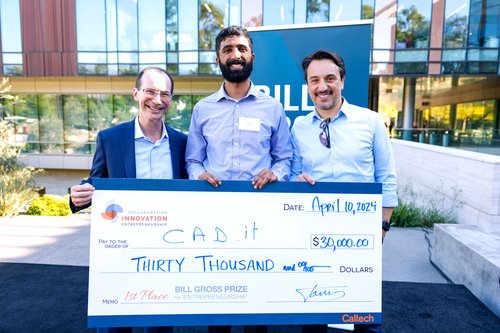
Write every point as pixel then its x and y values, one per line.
pixel 179 252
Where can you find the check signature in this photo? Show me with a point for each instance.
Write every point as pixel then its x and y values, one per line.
pixel 321 294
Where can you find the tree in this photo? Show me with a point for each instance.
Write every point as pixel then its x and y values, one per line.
pixel 16 181
pixel 412 28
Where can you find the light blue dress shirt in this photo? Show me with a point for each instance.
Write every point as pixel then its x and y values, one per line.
pixel 153 160
pixel 235 140
pixel 360 150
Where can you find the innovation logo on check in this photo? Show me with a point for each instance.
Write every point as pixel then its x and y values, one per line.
pixel 111 212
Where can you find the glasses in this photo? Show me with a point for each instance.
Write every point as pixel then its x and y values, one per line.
pixel 164 95
pixel 324 136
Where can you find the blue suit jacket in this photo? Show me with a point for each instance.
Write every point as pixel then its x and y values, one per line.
pixel 115 154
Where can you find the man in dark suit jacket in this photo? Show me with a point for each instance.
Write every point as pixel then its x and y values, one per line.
pixel 142 148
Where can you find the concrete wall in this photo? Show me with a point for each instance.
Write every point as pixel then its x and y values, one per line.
pixel 60 171
pixel 449 175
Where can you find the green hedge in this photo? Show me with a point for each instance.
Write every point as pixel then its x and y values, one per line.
pixel 50 205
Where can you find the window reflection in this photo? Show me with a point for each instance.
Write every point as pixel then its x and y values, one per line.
pixel 76 124
pixel 484 29
pixel 213 18
pixel 413 24
pixel 455 25
pixel 51 124
pixel 151 25
pixel 251 12
pixel 278 12
pixel 367 10
pixel 345 10
pixel 58 124
pixel 188 26
pixel 171 25
pixel 10 26
pixel 317 11
pixel 127 26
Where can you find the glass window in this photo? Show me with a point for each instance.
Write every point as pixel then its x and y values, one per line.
pixel 128 57
pixel 152 25
pixel 455 24
pixel 100 114
pixel 318 10
pixel 207 56
pixel 112 26
pixel 209 69
pixel 76 124
pixel 124 108
pixel 390 101
pixel 12 58
pixel 381 56
pixel 188 26
pixel 171 25
pixel 484 28
pixel 454 55
pixel 179 115
pixel 278 12
pixel 411 56
pixel 482 55
pixel 213 18
pixel 127 26
pixel 90 33
pixel 25 111
pixel 476 117
pixel 152 57
pixel 413 24
pixel 410 68
pixel 367 11
pixel 384 24
pixel 188 57
pixel 437 117
pixel 234 12
pixel 188 69
pixel 481 67
pixel 300 11
pixel 51 124
pixel 452 67
pixel 344 10
pixel 251 11
pixel 91 57
pixel 130 69
pixel 10 25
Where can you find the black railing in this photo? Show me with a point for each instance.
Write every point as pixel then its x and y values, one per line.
pixel 480 140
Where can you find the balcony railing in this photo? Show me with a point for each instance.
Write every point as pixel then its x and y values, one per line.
pixel 479 140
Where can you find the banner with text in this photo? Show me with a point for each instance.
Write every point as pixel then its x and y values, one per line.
pixel 279 51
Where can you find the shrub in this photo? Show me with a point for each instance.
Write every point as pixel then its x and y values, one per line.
pixel 17 186
pixel 50 205
pixel 409 214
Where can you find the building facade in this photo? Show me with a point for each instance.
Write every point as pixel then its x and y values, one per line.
pixel 434 75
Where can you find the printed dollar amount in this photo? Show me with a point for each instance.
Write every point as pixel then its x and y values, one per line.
pixel 342 242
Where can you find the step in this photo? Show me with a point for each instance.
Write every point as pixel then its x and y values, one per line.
pixel 470 255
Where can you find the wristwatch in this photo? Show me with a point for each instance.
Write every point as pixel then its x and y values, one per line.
pixel 386 225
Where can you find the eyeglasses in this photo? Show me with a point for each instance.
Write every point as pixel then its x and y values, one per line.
pixel 324 136
pixel 164 95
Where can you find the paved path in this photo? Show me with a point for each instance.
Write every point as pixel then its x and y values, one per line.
pixel 65 241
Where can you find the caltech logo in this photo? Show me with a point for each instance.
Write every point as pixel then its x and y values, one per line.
pixel 111 212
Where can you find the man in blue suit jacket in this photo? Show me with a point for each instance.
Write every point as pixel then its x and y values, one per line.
pixel 142 148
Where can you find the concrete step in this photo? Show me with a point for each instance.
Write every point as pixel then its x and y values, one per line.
pixel 470 255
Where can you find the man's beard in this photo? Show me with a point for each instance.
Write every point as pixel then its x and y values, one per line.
pixel 239 75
